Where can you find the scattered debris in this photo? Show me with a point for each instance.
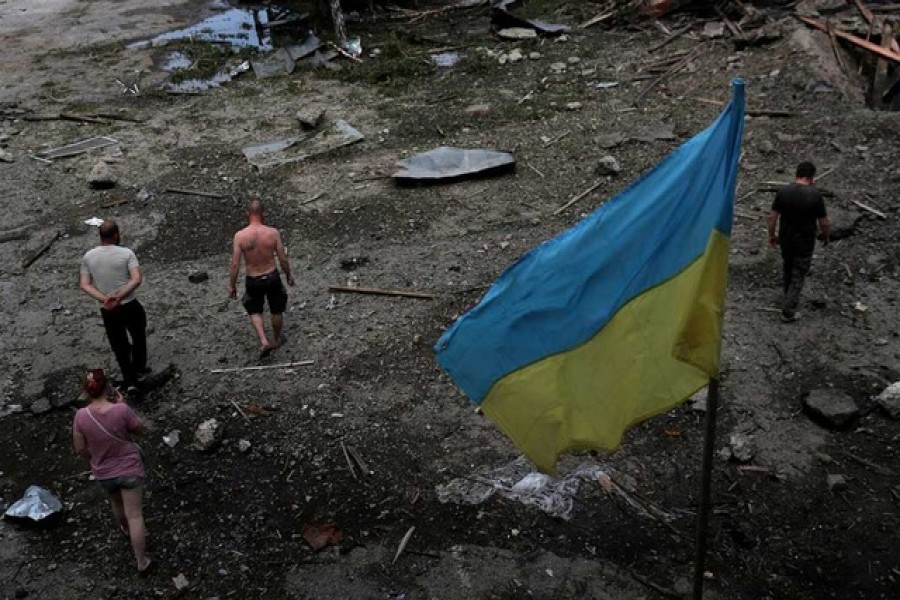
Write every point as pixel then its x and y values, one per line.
pixel 608 165
pixel 403 543
pixel 380 292
pixel 270 154
pixel 889 400
pixel 741 447
pixel 309 46
pixel 38 505
pixel 27 262
pixel 835 482
pixel 198 277
pixel 280 62
pixel 518 481
pixel 101 177
pixel 445 164
pixel 208 435
pixel 299 363
pixel 831 408
pixel 172 438
pixel 88 145
pixel 322 535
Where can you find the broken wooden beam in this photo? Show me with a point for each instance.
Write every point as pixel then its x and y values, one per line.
pixel 19 233
pixel 193 193
pixel 866 207
pixel 347 289
pixel 298 363
pixel 855 40
pixel 40 251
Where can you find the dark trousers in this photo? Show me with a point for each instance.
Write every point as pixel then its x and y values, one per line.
pixel 796 266
pixel 128 319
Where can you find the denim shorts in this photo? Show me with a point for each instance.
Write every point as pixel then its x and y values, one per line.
pixel 115 484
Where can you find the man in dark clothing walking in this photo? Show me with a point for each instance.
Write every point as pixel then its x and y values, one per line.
pixel 110 274
pixel 798 206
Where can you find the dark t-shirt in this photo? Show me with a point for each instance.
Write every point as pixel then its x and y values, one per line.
pixel 799 207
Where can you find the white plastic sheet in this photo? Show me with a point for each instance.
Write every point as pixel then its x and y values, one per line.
pixel 37 504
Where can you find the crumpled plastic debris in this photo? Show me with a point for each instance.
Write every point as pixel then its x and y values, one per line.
pixel 352 46
pixel 447 163
pixel 519 481
pixel 38 504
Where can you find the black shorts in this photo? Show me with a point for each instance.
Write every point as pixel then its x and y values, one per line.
pixel 262 288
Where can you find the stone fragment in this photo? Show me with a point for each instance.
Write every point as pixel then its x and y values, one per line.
pixel 608 165
pixel 889 400
pixel 515 55
pixel 477 109
pixel 831 408
pixel 713 30
pixel 517 33
pixel 198 277
pixel 843 222
pixel 836 482
pixel 574 106
pixel 310 119
pixel 697 402
pixel 181 582
pixel 558 67
pixel 101 177
pixel 208 435
pixel 41 406
pixel 767 147
pixel 158 378
pixel 5 156
pixel 742 448
pixel 534 55
pixel 243 445
pixel 574 60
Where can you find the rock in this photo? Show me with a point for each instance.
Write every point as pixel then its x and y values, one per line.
pixel 825 458
pixel 562 39
pixel 697 402
pixel 517 33
pixel 41 406
pixel 101 178
pixel 889 400
pixel 243 445
pixel 198 277
pixel 181 582
pixel 310 119
pixel 504 58
pixel 836 482
pixel 145 195
pixel 741 446
pixel 843 222
pixel 535 55
pixel 172 438
pixel 767 147
pixel 208 435
pixel 608 165
pixel 515 56
pixel 713 30
pixel 573 60
pixel 5 156
pixel 831 408
pixel 558 67
pixel 610 140
pixel 787 138
pixel 574 106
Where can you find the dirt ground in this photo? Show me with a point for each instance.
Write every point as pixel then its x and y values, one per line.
pixel 230 521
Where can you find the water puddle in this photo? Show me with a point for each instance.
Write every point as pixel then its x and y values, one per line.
pixel 193 86
pixel 238 28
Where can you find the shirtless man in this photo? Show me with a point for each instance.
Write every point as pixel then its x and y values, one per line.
pixel 259 244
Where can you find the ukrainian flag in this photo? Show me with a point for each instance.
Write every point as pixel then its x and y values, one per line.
pixel 615 320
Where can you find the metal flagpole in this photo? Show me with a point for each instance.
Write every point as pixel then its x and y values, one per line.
pixel 712 404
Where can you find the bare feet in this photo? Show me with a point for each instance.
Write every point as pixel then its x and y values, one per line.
pixel 266 350
pixel 282 340
pixel 147 568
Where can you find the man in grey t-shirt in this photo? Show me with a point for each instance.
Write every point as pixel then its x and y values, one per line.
pixel 110 274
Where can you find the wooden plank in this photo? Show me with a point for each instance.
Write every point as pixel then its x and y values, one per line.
pixel 380 292
pixel 298 363
pixel 856 41
pixel 875 212
pixel 880 76
pixel 193 193
pixel 872 20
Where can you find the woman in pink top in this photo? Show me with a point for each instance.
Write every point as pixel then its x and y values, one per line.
pixel 102 433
